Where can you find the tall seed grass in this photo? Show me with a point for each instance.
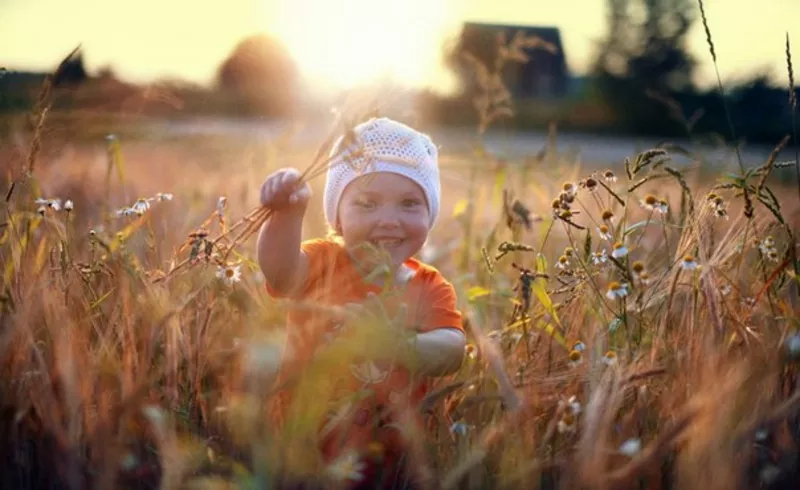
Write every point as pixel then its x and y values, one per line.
pixel 629 328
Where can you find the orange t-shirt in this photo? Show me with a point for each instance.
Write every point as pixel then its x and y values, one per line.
pixel 334 280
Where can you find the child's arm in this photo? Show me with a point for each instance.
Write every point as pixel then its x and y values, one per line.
pixel 439 352
pixel 282 262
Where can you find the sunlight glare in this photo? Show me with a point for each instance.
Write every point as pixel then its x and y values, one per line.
pixel 342 44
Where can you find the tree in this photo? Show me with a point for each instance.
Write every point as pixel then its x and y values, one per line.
pixel 261 73
pixel 645 52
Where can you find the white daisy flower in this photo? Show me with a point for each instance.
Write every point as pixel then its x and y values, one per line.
pixel 347 468
pixel 164 196
pixel 649 202
pixel 619 251
pixel 68 206
pixel 231 274
pixel 572 405
pixel 599 258
pixel 616 290
pixel 140 206
pixel 567 423
pixel 610 358
pixel 689 263
pixel 459 428
pixel 574 358
pixel 604 233
pixel 631 447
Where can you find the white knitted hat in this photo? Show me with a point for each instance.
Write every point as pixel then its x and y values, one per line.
pixel 383 145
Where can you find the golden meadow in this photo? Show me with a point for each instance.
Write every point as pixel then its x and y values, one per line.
pixel 629 327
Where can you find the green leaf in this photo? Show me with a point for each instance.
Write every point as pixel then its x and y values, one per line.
pixel 476 292
pixel 539 289
pixel 587 245
pixel 460 208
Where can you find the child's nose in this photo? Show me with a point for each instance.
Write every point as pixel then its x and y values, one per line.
pixel 387 218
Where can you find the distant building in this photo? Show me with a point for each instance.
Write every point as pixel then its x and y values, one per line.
pixel 544 76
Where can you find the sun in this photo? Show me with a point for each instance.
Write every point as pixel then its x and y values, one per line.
pixel 344 44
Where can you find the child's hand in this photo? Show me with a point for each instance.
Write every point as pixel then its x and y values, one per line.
pixel 282 191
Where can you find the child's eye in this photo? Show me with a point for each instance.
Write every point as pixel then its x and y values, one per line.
pixel 364 203
pixel 410 203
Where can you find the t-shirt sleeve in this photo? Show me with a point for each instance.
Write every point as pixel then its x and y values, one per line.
pixel 442 311
pixel 319 253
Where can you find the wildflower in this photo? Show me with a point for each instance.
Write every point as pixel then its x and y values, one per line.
pixel 563 262
pixel 125 212
pixel 609 176
pixel 616 290
pixel 569 188
pixel 54 204
pixel 347 468
pixel 566 214
pixel 140 206
pixel 68 205
pixel 567 423
pixel 572 405
pixel 610 358
pixel 608 215
pixel 599 258
pixel 793 345
pixel 767 248
pixel 649 202
pixel 231 274
pixel 662 206
pixel 41 210
pixel 574 358
pixel 689 263
pixel 471 351
pixel 619 251
pixel 579 346
pixel 602 230
pixel 631 447
pixel 222 202
pixel 590 184
pixel 645 278
pixel 637 267
pixel 717 204
pixel 569 251
pixel 459 428
pixel 164 196
pixel 556 204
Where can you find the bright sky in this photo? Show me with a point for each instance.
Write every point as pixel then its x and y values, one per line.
pixel 349 41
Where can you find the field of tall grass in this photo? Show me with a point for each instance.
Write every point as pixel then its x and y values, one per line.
pixel 634 327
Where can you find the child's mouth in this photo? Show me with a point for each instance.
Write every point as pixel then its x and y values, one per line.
pixel 386 242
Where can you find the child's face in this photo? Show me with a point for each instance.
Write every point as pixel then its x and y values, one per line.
pixel 386 210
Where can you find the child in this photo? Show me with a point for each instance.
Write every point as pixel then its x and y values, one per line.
pixel 381 191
